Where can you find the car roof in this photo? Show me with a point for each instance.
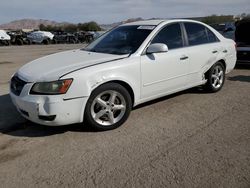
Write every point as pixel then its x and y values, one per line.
pixel 146 22
pixel 159 21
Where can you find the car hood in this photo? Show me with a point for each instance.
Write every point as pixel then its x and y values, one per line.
pixel 52 67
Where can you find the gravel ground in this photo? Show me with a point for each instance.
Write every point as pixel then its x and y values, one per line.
pixel 190 139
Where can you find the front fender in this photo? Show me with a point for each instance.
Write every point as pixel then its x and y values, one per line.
pixel 87 79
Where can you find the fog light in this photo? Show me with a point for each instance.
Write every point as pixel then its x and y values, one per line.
pixel 47 118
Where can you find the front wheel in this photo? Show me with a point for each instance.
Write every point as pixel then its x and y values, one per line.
pixel 215 77
pixel 108 107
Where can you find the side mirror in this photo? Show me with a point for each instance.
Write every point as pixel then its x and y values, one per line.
pixel 157 48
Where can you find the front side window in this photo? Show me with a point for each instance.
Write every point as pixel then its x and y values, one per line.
pixel 122 40
pixel 171 36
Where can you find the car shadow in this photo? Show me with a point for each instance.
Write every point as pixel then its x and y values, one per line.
pixel 195 90
pixel 242 66
pixel 12 123
pixel 241 78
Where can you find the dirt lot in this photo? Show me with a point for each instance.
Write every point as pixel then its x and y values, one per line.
pixel 190 139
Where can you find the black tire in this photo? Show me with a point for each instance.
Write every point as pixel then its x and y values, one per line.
pixel 72 41
pixel 7 43
pixel 54 41
pixel 210 86
pixel 28 42
pixel 46 41
pixel 88 117
pixel 19 42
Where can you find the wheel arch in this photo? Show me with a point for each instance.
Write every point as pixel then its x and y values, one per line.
pixel 122 83
pixel 221 61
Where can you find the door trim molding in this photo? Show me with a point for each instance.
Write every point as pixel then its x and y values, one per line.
pixel 164 80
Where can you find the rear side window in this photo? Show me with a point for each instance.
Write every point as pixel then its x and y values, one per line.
pixel 211 36
pixel 196 34
pixel 199 34
pixel 170 35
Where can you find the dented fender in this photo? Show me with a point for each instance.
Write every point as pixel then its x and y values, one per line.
pixel 88 79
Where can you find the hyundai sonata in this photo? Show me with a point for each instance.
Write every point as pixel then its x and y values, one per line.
pixel 127 66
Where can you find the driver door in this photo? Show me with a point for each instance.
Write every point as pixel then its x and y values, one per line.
pixel 166 72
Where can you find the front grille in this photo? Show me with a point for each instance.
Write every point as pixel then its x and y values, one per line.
pixel 17 85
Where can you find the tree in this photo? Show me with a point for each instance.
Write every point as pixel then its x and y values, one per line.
pixel 214 19
pixel 42 27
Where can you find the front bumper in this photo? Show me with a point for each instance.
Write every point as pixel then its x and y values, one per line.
pixel 51 110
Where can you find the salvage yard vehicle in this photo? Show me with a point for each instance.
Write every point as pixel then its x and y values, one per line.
pixel 18 38
pixel 242 38
pixel 40 37
pixel 4 38
pixel 226 29
pixel 129 65
pixel 84 36
pixel 63 37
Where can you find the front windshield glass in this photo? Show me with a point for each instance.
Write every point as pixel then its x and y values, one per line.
pixel 121 40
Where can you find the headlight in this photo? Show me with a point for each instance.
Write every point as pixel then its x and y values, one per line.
pixel 51 88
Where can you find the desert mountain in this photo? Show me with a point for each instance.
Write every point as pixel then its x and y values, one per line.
pixel 28 24
pixel 34 24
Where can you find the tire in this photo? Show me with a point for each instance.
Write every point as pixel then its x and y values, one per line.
pixel 46 41
pixel 72 41
pixel 7 43
pixel 54 41
pixel 215 78
pixel 19 42
pixel 28 42
pixel 108 107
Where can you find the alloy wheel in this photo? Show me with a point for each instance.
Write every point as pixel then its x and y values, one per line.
pixel 108 108
pixel 217 77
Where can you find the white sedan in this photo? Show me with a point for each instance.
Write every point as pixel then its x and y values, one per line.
pixel 127 66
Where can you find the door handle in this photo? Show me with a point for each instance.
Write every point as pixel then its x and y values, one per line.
pixel 215 51
pixel 183 57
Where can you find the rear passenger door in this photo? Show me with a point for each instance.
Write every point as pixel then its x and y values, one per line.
pixel 203 49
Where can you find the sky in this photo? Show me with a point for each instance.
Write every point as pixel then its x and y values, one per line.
pixel 109 11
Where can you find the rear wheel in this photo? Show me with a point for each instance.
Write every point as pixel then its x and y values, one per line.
pixel 54 41
pixel 19 42
pixel 215 77
pixel 46 41
pixel 7 43
pixel 28 42
pixel 108 107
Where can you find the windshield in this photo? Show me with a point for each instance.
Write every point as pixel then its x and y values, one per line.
pixel 121 40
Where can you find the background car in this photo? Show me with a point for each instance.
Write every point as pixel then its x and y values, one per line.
pixel 226 29
pixel 61 37
pixel 4 38
pixel 242 38
pixel 40 37
pixel 18 37
pixel 84 36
